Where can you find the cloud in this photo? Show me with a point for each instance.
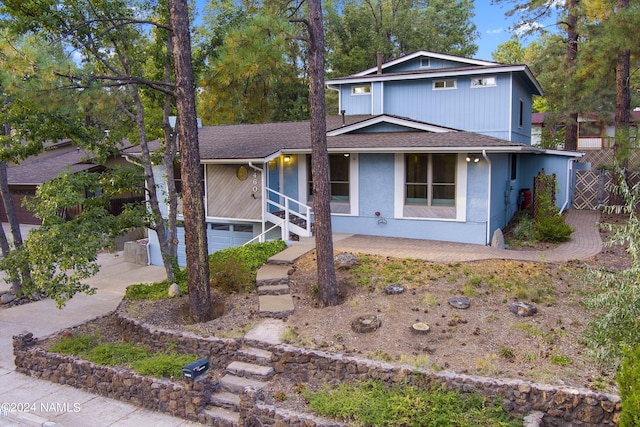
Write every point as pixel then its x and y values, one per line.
pixel 495 31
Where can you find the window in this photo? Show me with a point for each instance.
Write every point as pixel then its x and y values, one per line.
pixel 521 114
pixel 444 84
pixel 338 177
pixel 483 82
pixel 361 90
pixel 514 167
pixel 425 62
pixel 430 179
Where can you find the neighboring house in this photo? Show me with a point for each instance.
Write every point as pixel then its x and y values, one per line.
pixel 25 177
pixel 429 146
pixel 594 133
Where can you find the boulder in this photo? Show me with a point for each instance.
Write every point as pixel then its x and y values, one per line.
pixel 174 290
pixel 346 261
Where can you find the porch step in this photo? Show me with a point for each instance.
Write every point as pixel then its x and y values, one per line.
pixel 235 384
pixel 221 417
pixel 251 370
pixel 276 306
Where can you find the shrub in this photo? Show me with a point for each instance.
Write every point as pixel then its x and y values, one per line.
pixel 163 365
pixel 552 228
pixel 628 380
pixel 374 403
pixel 158 290
pixel 79 344
pixel 116 354
pixel 234 269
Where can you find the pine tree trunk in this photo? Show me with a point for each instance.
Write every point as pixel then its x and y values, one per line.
pixel 192 190
pixel 170 151
pixel 571 131
pixel 623 102
pixel 16 285
pixel 327 282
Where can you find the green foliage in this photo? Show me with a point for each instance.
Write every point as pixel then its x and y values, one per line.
pixel 166 364
pixel 357 30
pixel 163 365
pixel 628 380
pixel 154 291
pixel 116 354
pixel 524 228
pixel 62 253
pixel 77 344
pixel 549 225
pixel 374 403
pixel 616 330
pixel 234 269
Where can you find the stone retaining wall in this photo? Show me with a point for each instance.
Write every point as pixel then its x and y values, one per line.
pixel 562 406
pixel 184 399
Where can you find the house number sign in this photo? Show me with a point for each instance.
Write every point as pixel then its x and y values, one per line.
pixel 255 183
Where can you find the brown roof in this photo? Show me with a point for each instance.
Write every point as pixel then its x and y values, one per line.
pixel 259 141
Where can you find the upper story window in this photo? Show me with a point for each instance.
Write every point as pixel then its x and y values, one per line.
pixel 521 114
pixel 444 84
pixel 361 90
pixel 425 62
pixel 484 82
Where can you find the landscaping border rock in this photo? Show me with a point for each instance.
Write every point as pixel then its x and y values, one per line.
pixel 561 406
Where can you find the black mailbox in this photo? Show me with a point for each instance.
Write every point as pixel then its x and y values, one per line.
pixel 195 369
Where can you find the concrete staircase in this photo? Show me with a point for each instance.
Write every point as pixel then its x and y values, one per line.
pixel 273 281
pixel 252 368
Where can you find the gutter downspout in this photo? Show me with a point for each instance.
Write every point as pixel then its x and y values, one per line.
pixel 569 174
pixel 488 237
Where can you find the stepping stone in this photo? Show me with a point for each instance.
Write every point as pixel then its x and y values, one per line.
pixel 225 399
pixel 251 370
pixel 235 384
pixel 224 417
pixel 255 355
pixel 289 255
pixel 278 306
pixel 268 331
pixel 272 274
pixel 273 290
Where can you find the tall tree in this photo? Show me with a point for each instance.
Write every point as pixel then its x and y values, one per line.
pixel 327 282
pixel 356 30
pixel 193 193
pixel 111 37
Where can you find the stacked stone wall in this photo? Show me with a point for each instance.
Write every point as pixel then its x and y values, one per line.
pixel 562 406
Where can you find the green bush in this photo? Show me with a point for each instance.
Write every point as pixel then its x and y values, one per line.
pixel 116 354
pixel 163 365
pixel 79 344
pixel 157 290
pixel 373 403
pixel 552 228
pixel 234 269
pixel 628 379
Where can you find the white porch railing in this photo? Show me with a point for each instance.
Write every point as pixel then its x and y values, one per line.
pixel 297 215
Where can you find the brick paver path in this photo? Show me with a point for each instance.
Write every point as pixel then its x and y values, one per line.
pixel 585 242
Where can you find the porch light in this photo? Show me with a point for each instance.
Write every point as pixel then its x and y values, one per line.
pixel 472 158
pixel 287 159
pixel 346 154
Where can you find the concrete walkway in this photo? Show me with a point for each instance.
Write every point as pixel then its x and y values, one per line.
pixel 33 399
pixel 585 242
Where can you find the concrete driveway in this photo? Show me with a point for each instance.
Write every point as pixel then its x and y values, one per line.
pixel 26 401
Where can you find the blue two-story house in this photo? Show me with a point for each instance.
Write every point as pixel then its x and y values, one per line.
pixel 427 146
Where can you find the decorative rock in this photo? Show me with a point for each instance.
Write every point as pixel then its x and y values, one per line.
pixel 394 289
pixel 367 323
pixel 346 261
pixel 523 309
pixel 420 328
pixel 7 298
pixel 498 239
pixel 174 290
pixel 461 303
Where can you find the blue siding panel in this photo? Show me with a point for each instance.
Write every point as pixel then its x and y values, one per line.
pixel 414 65
pixel 354 104
pixel 376 92
pixel 481 110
